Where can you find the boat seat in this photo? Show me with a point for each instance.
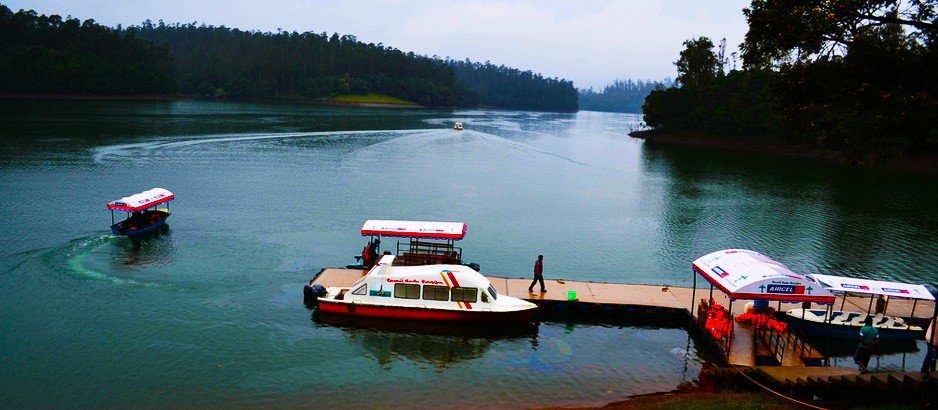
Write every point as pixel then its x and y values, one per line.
pixel 852 316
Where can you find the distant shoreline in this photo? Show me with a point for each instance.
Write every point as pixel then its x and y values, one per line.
pixel 924 165
pixel 185 97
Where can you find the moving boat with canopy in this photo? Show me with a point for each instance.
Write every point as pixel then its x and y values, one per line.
pixel 143 212
pixel 442 292
pixel 843 324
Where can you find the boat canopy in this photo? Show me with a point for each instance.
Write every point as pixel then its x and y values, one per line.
pixel 415 229
pixel 141 201
pixel 873 287
pixel 745 274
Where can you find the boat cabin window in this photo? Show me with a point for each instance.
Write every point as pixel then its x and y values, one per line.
pixel 493 293
pixel 432 292
pixel 465 295
pixel 361 290
pixel 407 290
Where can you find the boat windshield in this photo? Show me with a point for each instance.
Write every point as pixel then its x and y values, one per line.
pixel 493 293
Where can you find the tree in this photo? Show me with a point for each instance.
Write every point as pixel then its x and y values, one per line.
pixel 798 30
pixel 698 64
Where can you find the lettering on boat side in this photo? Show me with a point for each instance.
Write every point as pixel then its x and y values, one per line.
pixel 422 281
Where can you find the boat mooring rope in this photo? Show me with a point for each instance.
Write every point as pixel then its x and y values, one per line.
pixel 766 388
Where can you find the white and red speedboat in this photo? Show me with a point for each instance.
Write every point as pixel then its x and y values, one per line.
pixel 455 293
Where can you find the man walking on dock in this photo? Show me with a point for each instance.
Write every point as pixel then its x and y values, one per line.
pixel 538 274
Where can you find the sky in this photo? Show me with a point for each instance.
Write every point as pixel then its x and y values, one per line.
pixel 591 42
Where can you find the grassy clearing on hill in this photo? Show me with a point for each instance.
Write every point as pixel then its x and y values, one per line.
pixel 370 99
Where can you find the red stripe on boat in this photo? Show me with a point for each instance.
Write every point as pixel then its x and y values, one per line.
pixel 414 313
pixel 453 278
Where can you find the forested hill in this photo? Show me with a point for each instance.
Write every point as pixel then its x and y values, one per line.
pixel 506 87
pixel 48 54
pixel 235 64
pixel 620 96
pixel 40 54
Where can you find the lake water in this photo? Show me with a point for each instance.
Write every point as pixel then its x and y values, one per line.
pixel 211 312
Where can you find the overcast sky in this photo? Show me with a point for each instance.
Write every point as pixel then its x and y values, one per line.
pixel 589 42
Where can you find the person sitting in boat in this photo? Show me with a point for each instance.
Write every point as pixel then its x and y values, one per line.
pixel 373 251
pixel 366 255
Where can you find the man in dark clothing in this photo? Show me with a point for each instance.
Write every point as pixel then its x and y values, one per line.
pixel 538 274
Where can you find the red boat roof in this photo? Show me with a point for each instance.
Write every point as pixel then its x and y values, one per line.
pixel 415 229
pixel 141 201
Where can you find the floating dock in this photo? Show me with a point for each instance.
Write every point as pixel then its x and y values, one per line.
pixel 797 362
pixel 612 296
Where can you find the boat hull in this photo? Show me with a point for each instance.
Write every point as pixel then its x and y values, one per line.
pixel 839 331
pixel 123 228
pixel 422 314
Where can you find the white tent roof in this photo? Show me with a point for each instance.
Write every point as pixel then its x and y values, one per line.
pixel 415 229
pixel 745 274
pixel 873 287
pixel 142 200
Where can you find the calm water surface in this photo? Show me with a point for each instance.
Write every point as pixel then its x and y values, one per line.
pixel 211 312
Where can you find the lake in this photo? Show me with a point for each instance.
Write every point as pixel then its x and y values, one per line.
pixel 211 314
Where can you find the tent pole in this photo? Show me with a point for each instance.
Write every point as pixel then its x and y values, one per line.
pixel 843 302
pixel 710 302
pixel 827 339
pixel 693 294
pixel 870 308
pixel 912 315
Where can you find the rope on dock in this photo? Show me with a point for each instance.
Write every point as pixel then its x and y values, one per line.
pixel 766 388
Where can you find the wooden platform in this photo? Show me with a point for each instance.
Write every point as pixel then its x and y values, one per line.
pixel 742 350
pixel 626 294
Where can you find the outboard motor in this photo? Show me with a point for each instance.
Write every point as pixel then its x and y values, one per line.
pixel 312 293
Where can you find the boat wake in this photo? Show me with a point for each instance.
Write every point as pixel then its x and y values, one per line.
pixel 74 257
pixel 441 140
pixel 142 152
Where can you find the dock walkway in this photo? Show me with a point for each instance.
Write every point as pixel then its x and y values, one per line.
pixel 620 294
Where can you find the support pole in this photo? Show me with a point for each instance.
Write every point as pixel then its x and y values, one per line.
pixel 693 295
pixel 870 308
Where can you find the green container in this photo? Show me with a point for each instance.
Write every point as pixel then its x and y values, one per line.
pixel 571 295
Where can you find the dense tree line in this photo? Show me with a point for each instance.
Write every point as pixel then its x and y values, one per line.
pixel 506 87
pixel 707 100
pixel 857 77
pixel 49 54
pixel 235 63
pixel 620 96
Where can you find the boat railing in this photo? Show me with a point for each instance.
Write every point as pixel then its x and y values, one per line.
pixel 790 341
pixel 416 252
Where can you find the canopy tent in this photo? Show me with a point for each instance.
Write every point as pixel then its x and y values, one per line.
pixel 872 287
pixel 141 201
pixel 745 274
pixel 415 229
